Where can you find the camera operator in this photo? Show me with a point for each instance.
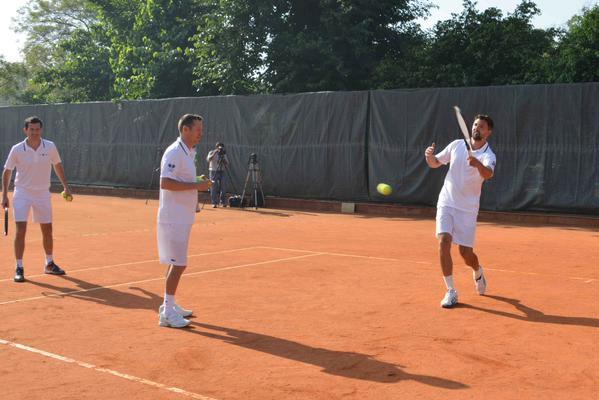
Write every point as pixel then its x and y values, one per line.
pixel 218 162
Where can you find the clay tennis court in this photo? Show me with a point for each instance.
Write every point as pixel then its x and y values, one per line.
pixel 297 305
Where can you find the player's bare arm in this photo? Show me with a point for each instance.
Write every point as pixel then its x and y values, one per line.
pixel 485 173
pixel 176 186
pixel 58 168
pixel 6 177
pixel 429 155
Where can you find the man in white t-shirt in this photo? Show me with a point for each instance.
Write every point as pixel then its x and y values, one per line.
pixel 457 207
pixel 33 158
pixel 176 213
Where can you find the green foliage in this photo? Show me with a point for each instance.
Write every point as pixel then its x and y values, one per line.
pixel 229 47
pixel 300 45
pixel 13 82
pixel 88 50
pixel 485 48
pixel 66 52
pixel 577 56
pixel 150 59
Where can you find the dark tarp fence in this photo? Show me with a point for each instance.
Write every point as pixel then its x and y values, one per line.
pixel 339 145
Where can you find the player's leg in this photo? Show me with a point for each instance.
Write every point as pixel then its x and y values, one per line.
pixel 21 205
pixel 444 230
pixel 172 281
pixel 173 242
pixel 445 254
pixel 42 214
pixel 465 232
pixel 469 256
pixel 20 231
pixel 48 241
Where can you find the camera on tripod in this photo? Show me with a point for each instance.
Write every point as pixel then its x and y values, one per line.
pixel 253 158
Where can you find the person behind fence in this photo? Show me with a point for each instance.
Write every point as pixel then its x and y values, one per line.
pixel 33 158
pixel 217 163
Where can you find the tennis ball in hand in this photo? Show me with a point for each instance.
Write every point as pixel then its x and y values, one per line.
pixel 384 189
pixel 67 197
pixel 200 178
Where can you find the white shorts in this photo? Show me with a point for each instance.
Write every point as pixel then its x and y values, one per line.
pixel 173 240
pixel 461 225
pixel 40 202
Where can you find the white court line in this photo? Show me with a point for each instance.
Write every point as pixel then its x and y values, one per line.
pixel 58 295
pixel 341 254
pixel 70 271
pixel 586 280
pixel 105 370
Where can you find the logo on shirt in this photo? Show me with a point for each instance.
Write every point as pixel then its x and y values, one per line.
pixel 170 166
pixel 173 260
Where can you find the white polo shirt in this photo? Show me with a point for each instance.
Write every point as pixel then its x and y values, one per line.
pixel 33 166
pixel 178 207
pixel 463 183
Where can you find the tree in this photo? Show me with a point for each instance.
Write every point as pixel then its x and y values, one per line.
pixel 577 55
pixel 230 47
pixel 484 48
pixel 66 52
pixel 13 81
pixel 339 45
pixel 300 45
pixel 151 58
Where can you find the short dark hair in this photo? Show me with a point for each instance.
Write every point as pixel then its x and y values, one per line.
pixel 33 120
pixel 219 144
pixel 485 118
pixel 187 120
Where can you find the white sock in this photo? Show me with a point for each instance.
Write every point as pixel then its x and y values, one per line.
pixel 449 282
pixel 20 263
pixel 49 258
pixel 478 273
pixel 169 302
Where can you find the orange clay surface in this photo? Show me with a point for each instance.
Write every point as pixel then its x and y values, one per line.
pixel 297 305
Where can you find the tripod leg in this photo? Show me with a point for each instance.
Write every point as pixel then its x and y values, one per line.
pixel 247 178
pixel 254 184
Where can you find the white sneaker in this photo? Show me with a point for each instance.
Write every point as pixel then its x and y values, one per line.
pixel 481 282
pixel 450 299
pixel 180 310
pixel 172 319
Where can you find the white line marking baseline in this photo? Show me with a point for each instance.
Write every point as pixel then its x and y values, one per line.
pixel 105 370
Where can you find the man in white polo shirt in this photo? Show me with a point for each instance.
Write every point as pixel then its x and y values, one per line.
pixel 176 213
pixel 33 158
pixel 457 207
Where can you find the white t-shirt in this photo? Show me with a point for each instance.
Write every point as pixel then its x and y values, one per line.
pixel 34 167
pixel 178 207
pixel 463 183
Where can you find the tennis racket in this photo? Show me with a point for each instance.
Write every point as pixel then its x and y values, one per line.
pixel 5 221
pixel 463 128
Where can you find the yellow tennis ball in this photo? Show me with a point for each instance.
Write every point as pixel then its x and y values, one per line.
pixel 384 189
pixel 200 178
pixel 67 197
